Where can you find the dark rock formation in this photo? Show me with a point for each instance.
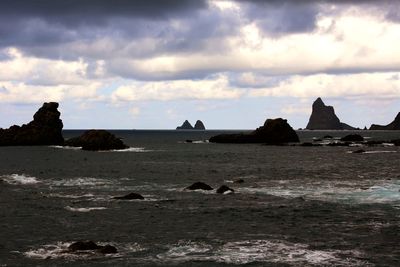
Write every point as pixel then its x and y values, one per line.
pixel 199 125
pixel 185 126
pixel 394 125
pixel 324 118
pixel 130 196
pixel 238 181
pixel 91 246
pixel 352 138
pixel 45 129
pixel 274 132
pixel 95 140
pixel 199 185
pixel 358 151
pixel 223 189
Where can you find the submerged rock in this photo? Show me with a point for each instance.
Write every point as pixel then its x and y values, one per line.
pixel 223 189
pixel 95 140
pixel 92 246
pixel 199 125
pixel 238 181
pixel 130 196
pixel 324 118
pixel 352 138
pixel 273 132
pixel 394 125
pixel 45 129
pixel 185 126
pixel 199 185
pixel 358 151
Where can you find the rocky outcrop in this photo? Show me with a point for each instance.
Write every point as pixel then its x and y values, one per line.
pixel 394 125
pixel 324 118
pixel 130 197
pixel 185 126
pixel 273 132
pixel 80 246
pixel 352 138
pixel 199 185
pixel 45 129
pixel 95 140
pixel 223 189
pixel 199 125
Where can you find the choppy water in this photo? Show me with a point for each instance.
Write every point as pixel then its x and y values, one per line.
pixel 297 206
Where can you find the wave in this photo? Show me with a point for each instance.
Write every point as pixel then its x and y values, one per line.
pixel 19 179
pixel 130 149
pixel 252 251
pixel 88 209
pixel 82 181
pixel 68 147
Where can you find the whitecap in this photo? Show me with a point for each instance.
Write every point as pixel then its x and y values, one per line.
pixel 129 149
pixel 71 196
pixel 19 179
pixel 81 181
pixel 87 209
pixel 68 147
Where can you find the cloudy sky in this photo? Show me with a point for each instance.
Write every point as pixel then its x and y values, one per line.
pixel 148 64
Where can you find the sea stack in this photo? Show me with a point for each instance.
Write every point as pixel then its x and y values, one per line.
pixel 394 125
pixel 45 129
pixel 324 118
pixel 185 126
pixel 95 140
pixel 199 125
pixel 273 132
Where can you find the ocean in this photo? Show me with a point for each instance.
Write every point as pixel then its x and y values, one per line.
pixel 296 206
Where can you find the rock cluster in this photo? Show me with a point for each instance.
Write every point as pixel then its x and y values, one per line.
pixel 324 118
pixel 394 125
pixel 273 132
pixel 95 140
pixel 187 126
pixel 45 129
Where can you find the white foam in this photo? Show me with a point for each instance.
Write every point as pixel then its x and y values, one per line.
pixel 129 149
pixel 335 191
pixel 81 181
pixel 68 147
pixel 249 251
pixel 71 196
pixel 88 209
pixel 19 179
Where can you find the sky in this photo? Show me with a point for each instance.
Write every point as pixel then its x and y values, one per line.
pixel 149 64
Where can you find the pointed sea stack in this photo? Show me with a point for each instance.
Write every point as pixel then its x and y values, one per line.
pixel 199 125
pixel 273 132
pixel 324 118
pixel 185 126
pixel 394 125
pixel 45 129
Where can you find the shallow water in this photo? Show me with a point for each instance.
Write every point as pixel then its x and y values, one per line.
pixel 297 206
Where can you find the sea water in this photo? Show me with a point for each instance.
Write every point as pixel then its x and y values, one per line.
pixel 297 206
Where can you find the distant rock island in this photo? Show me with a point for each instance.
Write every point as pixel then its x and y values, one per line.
pixel 45 129
pixel 324 118
pixel 394 125
pixel 187 126
pixel 273 132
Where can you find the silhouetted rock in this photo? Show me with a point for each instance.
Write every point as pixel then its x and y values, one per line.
pixel 358 151
pixel 91 246
pixel 274 132
pixel 108 249
pixel 396 142
pixel 324 118
pixel 185 126
pixel 223 189
pixel 199 125
pixel 83 245
pixel 352 138
pixel 394 125
pixel 199 185
pixel 96 140
pixel 130 196
pixel 45 129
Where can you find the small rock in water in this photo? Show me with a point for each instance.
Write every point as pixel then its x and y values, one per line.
pixel 328 137
pixel 238 181
pixel 223 189
pixel 83 245
pixel 352 138
pixel 108 249
pixel 358 151
pixel 199 185
pixel 189 141
pixel 130 196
